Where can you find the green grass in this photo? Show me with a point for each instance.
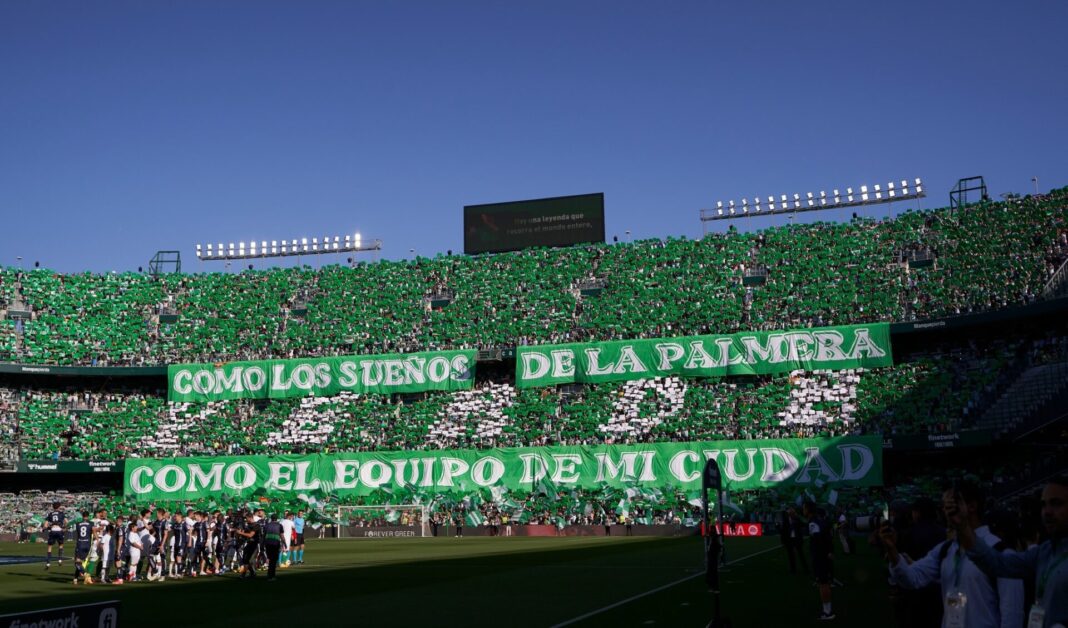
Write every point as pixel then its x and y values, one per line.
pixel 488 581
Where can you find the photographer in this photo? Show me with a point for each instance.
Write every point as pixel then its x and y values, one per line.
pixel 969 597
pixel 920 608
pixel 1047 563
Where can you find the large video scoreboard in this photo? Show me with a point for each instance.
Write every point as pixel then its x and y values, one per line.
pixel 559 221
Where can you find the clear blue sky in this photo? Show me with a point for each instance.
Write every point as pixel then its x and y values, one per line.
pixel 127 127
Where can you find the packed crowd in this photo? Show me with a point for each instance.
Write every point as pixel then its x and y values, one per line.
pixel 932 392
pixel 817 274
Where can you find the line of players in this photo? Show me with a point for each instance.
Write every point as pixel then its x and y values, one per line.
pixel 197 544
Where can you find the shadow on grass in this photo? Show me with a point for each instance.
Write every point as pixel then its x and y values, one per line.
pixel 412 584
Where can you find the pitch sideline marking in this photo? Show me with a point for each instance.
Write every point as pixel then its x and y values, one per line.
pixel 656 590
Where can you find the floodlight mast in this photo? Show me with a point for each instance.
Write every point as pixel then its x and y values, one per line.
pixel 712 529
pixel 877 194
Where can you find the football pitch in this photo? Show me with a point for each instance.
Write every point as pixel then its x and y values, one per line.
pixel 518 581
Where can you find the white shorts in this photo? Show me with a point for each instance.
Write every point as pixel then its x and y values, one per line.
pixel 135 557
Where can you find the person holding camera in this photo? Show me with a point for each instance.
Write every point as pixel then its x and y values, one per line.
pixel 1047 562
pixel 969 596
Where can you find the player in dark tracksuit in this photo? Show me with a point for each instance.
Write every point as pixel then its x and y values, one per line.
pixel 122 549
pixel 220 539
pixel 181 547
pixel 56 526
pixel 200 544
pixel 83 542
pixel 160 529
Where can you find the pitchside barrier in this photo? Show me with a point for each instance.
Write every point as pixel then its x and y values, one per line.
pixel 392 532
pixel 99 615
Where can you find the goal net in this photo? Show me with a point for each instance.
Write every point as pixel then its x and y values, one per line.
pixel 383 521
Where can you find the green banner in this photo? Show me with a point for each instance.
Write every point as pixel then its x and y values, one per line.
pixel 745 353
pixel 400 476
pixel 277 379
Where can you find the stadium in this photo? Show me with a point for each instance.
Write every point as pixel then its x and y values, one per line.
pixel 969 382
pixel 841 406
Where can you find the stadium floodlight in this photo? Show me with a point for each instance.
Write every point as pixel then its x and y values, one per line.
pixel 809 201
pixel 264 248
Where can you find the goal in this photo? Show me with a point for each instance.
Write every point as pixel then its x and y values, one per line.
pixel 383 521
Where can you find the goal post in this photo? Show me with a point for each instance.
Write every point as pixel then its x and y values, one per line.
pixel 384 520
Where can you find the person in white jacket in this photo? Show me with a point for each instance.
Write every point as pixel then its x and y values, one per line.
pixel 133 542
